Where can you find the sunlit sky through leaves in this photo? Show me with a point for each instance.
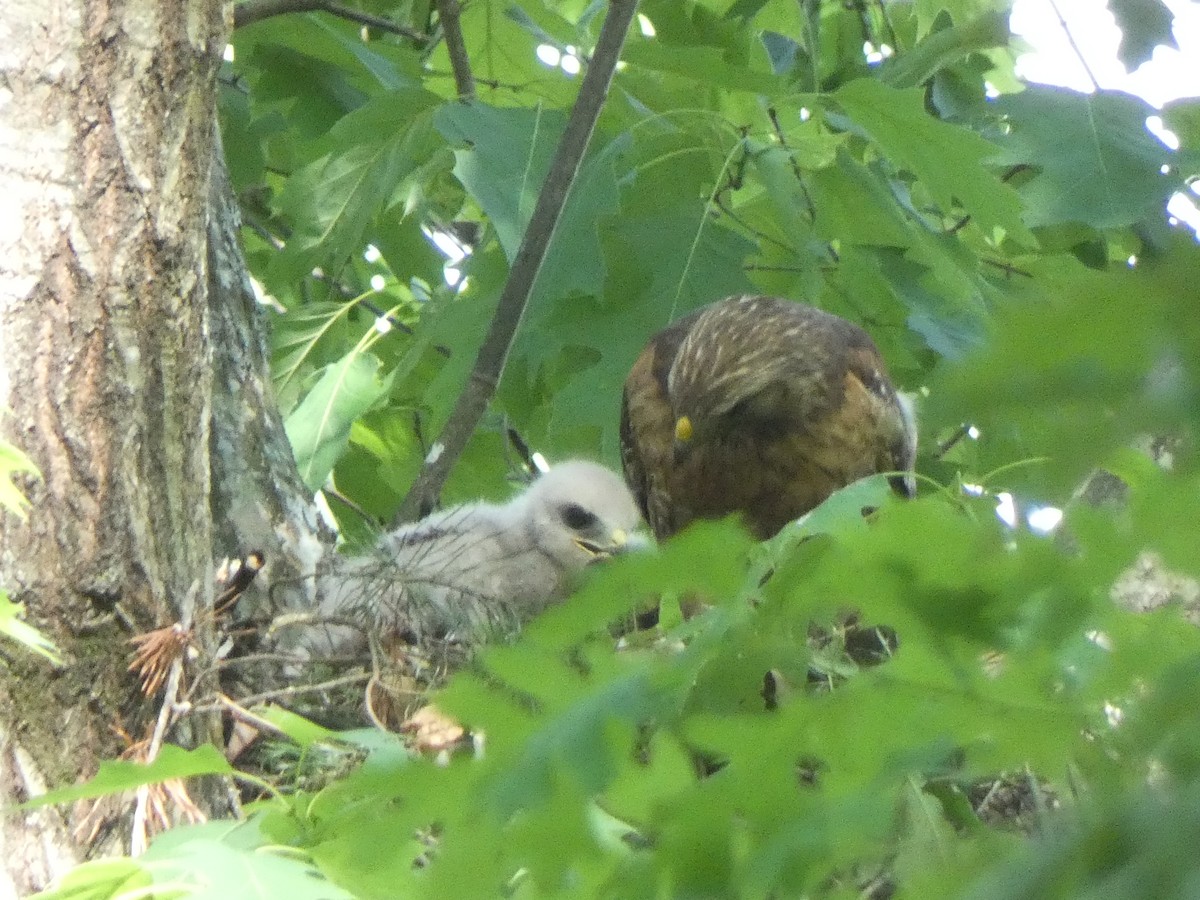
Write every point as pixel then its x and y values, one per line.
pixel 1074 43
pixel 1171 73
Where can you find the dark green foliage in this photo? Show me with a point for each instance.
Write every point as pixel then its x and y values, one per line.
pixel 1097 164
pixel 1145 24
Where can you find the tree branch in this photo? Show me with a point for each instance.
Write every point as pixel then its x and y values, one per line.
pixel 489 365
pixel 257 10
pixel 456 47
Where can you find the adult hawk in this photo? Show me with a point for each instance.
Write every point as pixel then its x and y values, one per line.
pixel 758 406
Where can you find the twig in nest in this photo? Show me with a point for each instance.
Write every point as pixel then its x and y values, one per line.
pixel 154 804
pixel 300 690
pixel 150 810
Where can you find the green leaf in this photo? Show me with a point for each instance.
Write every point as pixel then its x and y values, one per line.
pixel 841 511
pixel 115 776
pixel 407 250
pixel 334 200
pixel 543 24
pixel 107 879
pixel 661 266
pixel 840 191
pixel 959 10
pixel 1182 117
pixel 296 727
pixel 1096 162
pixel 213 870
pixel 706 65
pixel 948 160
pixel 12 461
pixel 1132 842
pixel 333 55
pixel 319 428
pixel 507 155
pixel 1144 24
pixel 952 321
pixel 944 48
pixel 12 627
pixel 1074 394
pixel 774 166
pixel 241 140
pixel 503 50
pixel 295 340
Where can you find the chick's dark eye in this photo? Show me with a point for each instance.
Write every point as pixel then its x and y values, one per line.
pixel 576 517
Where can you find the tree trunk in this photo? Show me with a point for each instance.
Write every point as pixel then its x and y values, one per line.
pixel 133 362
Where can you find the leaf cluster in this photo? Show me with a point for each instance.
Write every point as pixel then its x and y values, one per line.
pixel 744 147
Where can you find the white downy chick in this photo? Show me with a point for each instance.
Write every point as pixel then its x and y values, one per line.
pixel 479 569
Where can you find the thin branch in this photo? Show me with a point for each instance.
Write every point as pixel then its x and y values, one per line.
pixel 301 690
pixel 758 233
pixel 456 47
pixel 1007 268
pixel 893 38
pixel 486 82
pixel 257 10
pixel 951 442
pixel 754 267
pixel 489 365
pixel 241 714
pixel 1074 46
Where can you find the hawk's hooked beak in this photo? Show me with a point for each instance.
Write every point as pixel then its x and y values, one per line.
pixel 683 438
pixel 615 544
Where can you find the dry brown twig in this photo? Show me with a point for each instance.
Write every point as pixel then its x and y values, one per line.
pixel 158 661
pixel 150 811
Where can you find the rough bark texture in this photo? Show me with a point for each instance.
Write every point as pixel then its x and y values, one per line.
pixel 108 266
pixel 258 501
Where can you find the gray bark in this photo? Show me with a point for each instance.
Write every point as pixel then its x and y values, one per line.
pixel 133 363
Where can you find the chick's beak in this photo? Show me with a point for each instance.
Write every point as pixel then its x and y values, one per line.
pixel 615 544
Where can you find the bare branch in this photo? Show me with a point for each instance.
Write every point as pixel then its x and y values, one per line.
pixel 456 47
pixel 489 365
pixel 1075 47
pixel 299 690
pixel 257 10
